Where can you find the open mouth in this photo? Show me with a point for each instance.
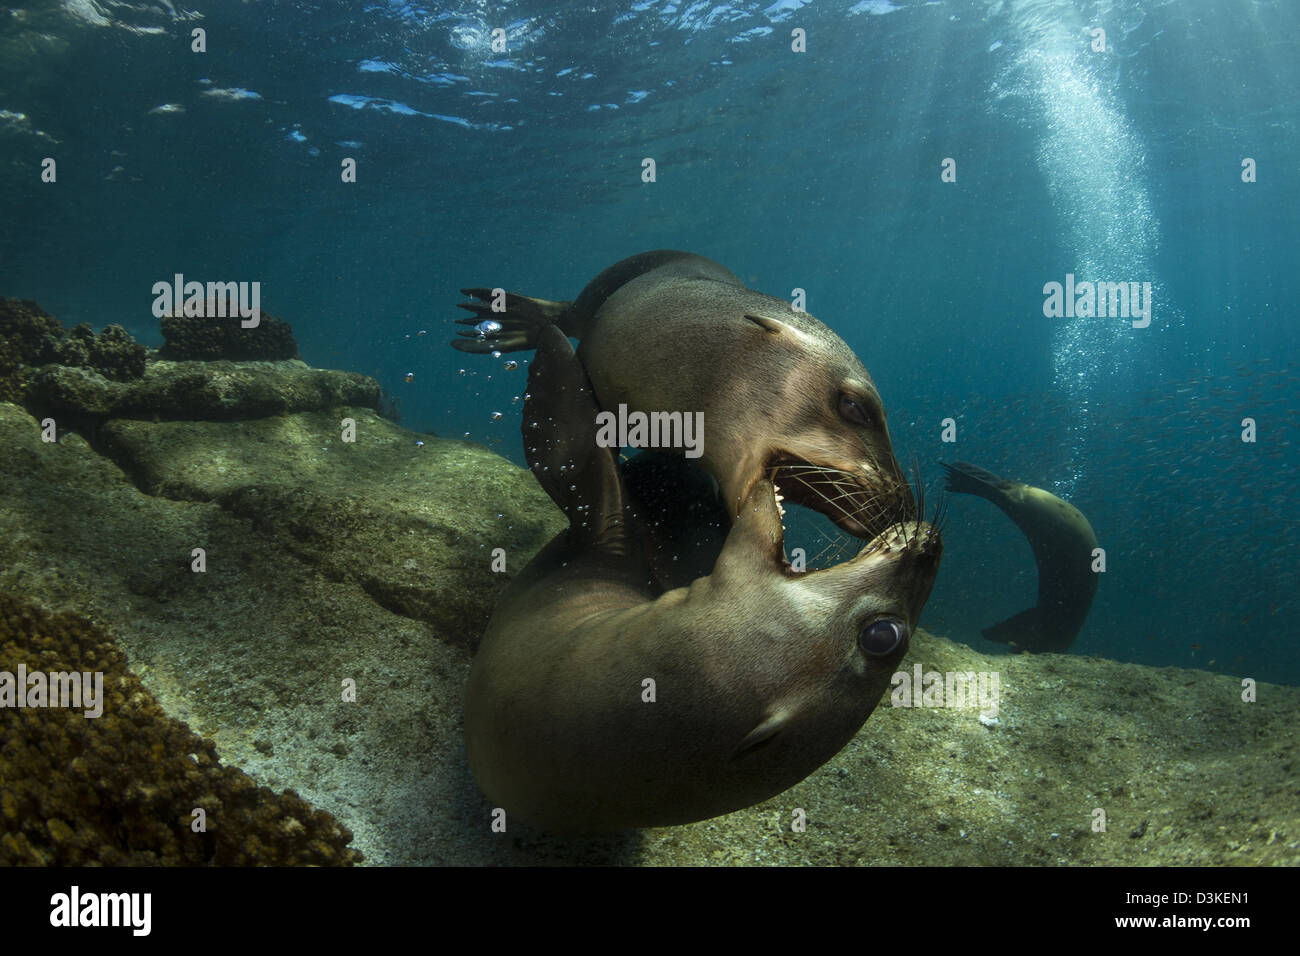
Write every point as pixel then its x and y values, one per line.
pixel 863 505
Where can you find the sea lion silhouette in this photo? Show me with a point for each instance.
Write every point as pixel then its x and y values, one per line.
pixel 1063 542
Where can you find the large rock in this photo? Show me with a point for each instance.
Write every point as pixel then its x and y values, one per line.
pixel 202 390
pixel 413 519
pixel 253 652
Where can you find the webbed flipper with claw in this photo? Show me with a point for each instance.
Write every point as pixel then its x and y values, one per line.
pixel 520 324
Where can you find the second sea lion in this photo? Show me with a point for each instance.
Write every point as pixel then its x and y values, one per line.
pixel 1063 543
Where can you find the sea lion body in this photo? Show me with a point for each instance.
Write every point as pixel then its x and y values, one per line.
pixel 1062 541
pixel 558 727
pixel 781 394
pixel 600 700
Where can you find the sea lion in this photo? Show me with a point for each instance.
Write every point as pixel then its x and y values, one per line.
pixel 783 397
pixel 760 674
pixel 1063 542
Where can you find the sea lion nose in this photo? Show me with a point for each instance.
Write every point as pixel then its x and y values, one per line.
pixel 882 637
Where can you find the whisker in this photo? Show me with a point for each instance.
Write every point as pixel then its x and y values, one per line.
pixel 843 494
pixel 832 545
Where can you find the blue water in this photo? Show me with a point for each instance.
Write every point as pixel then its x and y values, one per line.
pixel 817 170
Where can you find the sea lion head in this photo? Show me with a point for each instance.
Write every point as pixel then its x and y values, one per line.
pixel 781 395
pixel 818 656
pixel 814 424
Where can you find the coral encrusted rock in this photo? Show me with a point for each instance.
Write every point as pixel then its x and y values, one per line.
pixel 121 789
pixel 205 338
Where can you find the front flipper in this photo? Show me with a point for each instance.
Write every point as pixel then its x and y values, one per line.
pixel 521 323
pixel 559 432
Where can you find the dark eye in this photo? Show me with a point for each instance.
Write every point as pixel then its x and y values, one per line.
pixel 851 410
pixel 882 637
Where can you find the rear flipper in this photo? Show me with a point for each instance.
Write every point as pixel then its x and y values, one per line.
pixel 1022 631
pixel 521 323
pixel 1031 630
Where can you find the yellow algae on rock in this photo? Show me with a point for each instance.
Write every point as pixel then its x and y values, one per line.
pixel 122 788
